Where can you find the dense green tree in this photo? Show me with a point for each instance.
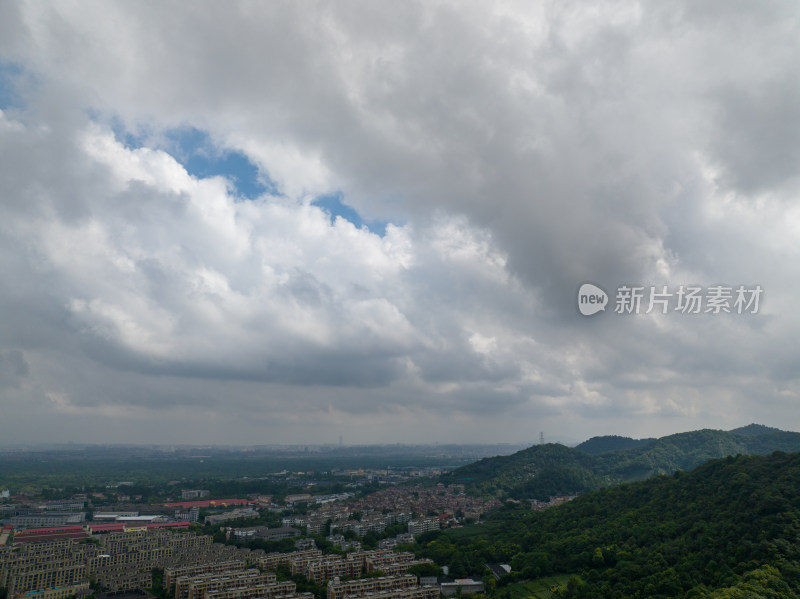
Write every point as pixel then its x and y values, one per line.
pixel 731 525
pixel 542 471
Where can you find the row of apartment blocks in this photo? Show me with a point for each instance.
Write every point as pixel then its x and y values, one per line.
pixel 51 565
pixel 238 583
pixel 385 587
pixel 196 587
pixel 173 573
pixel 338 589
pixel 271 561
pixel 426 592
pixel 353 565
pixel 198 550
pixel 197 567
pixel 271 590
pixel 117 561
pixel 228 581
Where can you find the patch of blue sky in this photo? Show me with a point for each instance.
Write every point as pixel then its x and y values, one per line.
pixel 334 205
pixel 194 149
pixel 10 74
pixel 129 139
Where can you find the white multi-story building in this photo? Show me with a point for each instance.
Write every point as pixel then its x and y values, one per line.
pixel 421 525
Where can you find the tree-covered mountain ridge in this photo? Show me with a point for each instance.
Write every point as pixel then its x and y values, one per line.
pixel 542 471
pixel 730 528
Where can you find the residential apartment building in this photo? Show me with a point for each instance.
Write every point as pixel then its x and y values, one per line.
pixel 194 493
pixel 417 592
pixel 196 587
pixel 80 589
pixel 260 591
pixel 421 525
pixel 338 589
pixel 172 574
pixel 46 519
pixel 318 569
pixel 377 560
pixel 68 505
pixel 245 512
pixel 117 561
pixel 264 532
pixel 271 561
pixel 464 586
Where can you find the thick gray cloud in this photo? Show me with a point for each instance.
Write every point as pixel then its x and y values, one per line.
pixel 519 151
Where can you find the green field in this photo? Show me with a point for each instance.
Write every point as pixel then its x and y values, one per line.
pixel 534 589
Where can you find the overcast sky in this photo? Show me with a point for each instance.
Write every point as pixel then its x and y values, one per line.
pixel 283 222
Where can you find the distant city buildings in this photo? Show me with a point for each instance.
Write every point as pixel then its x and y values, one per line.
pixel 298 498
pixel 46 519
pixel 208 503
pixel 113 516
pixel 118 546
pixel 191 515
pixel 246 512
pixel 263 532
pixel 70 505
pixel 194 493
pixel 466 586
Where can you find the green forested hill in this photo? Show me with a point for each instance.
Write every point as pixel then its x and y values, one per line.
pixel 541 471
pixel 730 528
pixel 597 445
pixel 755 429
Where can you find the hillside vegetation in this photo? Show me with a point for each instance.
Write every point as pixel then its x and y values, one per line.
pixel 730 528
pixel 542 471
pixel 597 445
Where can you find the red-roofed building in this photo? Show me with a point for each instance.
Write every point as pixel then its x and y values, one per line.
pixel 32 535
pixel 101 527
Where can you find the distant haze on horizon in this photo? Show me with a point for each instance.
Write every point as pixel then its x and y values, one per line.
pixel 316 446
pixel 261 223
